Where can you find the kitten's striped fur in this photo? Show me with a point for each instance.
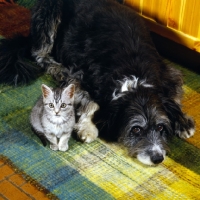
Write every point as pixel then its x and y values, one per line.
pixel 53 116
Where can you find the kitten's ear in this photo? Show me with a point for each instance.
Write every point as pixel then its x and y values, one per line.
pixel 46 91
pixel 69 91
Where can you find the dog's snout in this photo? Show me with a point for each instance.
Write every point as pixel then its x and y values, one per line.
pixel 156 159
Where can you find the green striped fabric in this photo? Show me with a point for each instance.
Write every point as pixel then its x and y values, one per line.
pixel 99 170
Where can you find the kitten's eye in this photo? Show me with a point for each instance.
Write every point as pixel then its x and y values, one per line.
pixel 136 129
pixel 63 105
pixel 159 128
pixel 51 105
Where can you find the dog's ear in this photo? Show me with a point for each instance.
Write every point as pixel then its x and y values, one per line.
pixel 173 111
pixel 172 108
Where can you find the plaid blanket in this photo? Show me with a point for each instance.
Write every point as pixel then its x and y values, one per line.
pixel 99 170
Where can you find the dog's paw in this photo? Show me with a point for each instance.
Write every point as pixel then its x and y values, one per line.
pixel 87 133
pixel 186 128
pixel 87 136
pixel 186 134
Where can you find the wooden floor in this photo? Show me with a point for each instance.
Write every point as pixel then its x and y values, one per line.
pixel 13 186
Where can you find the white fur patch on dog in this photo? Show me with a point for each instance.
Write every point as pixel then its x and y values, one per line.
pixel 144 159
pixel 128 84
pixel 156 148
pixel 186 135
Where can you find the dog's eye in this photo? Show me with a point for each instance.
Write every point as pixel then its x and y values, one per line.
pixel 136 129
pixel 51 105
pixel 159 128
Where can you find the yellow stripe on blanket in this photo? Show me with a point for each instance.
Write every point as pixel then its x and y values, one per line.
pixel 191 102
pixel 187 185
pixel 110 168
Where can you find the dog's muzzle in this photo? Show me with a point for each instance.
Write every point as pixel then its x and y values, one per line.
pixel 156 159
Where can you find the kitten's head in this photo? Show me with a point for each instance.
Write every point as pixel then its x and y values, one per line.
pixel 58 101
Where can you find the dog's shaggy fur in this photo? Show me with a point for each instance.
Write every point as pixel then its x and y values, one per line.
pixel 139 96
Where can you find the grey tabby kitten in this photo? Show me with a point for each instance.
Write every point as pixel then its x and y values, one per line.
pixel 53 116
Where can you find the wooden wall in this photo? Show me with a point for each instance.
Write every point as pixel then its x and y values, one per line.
pixel 178 20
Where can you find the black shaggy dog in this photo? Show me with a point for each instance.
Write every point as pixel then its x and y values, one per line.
pixel 125 88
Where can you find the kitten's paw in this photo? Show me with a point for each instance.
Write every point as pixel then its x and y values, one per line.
pixel 54 147
pixel 87 133
pixel 63 148
pixel 186 128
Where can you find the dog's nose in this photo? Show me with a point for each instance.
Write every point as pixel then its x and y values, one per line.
pixel 156 159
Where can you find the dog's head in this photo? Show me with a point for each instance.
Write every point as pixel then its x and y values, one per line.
pixel 139 120
pixel 145 126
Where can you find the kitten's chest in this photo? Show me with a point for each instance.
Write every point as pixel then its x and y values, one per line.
pixel 58 126
pixel 57 129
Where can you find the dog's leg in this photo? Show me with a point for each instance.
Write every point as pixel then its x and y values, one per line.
pixel 185 127
pixel 46 17
pixel 85 108
pixel 85 128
